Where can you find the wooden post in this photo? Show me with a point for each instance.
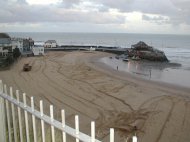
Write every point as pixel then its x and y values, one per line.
pixel 63 124
pixel 77 126
pixel 2 116
pixel 111 135
pixel 33 120
pixel 13 116
pixel 19 117
pixel 52 127
pixel 8 115
pixel 92 131
pixel 42 121
pixel 26 119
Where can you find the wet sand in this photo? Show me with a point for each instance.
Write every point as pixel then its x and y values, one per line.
pixel 167 72
pixel 81 85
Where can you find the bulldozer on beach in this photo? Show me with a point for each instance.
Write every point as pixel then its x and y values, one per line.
pixel 27 67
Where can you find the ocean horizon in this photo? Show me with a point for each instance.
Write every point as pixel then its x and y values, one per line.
pixel 114 39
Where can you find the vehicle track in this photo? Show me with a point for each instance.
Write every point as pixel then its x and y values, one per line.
pixel 99 91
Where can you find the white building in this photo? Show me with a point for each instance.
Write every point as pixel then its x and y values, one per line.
pixel 50 44
pixel 17 43
pixel 38 48
pixel 5 44
pixel 23 44
pixel 92 49
pixel 3 52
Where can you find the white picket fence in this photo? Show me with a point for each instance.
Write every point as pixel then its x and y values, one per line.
pixel 9 118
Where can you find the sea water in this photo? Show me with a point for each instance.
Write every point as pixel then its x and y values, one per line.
pixel 176 48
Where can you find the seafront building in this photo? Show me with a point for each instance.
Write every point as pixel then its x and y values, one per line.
pixel 28 47
pixel 24 45
pixel 50 44
pixel 5 44
pixel 17 43
pixel 38 48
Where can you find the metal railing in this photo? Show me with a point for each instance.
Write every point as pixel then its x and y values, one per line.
pixel 9 119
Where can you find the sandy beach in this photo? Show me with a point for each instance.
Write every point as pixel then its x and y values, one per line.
pixel 78 83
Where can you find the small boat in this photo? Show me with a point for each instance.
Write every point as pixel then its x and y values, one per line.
pixel 136 58
pixel 126 60
pixel 111 57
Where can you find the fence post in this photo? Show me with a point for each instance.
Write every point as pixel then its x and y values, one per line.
pixel 111 135
pixel 19 116
pixel 8 115
pixel 77 126
pixel 13 116
pixel 134 138
pixel 63 124
pixel 33 120
pixel 52 127
pixel 92 131
pixel 26 119
pixel 2 116
pixel 42 121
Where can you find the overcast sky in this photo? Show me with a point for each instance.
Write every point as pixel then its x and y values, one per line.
pixel 107 16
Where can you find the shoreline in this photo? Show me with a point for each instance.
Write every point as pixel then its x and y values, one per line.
pixel 123 75
pixel 170 73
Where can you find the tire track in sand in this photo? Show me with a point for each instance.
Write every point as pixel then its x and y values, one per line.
pixel 54 85
pixel 99 91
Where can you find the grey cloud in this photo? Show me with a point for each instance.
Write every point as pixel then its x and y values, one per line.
pixel 145 6
pixel 183 11
pixel 122 5
pixel 156 19
pixel 183 4
pixel 177 10
pixel 69 3
pixel 162 7
pixel 21 1
pixel 23 13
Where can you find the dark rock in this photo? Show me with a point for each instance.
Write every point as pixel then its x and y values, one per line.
pixel 143 51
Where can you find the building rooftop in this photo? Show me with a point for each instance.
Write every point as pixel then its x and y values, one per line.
pixel 38 44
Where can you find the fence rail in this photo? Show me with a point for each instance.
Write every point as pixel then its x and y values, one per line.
pixel 4 97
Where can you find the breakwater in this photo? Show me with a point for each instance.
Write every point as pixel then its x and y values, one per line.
pixel 110 49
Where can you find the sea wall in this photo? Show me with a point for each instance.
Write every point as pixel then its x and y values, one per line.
pixel 115 50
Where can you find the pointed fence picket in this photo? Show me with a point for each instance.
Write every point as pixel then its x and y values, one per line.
pixel 22 106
